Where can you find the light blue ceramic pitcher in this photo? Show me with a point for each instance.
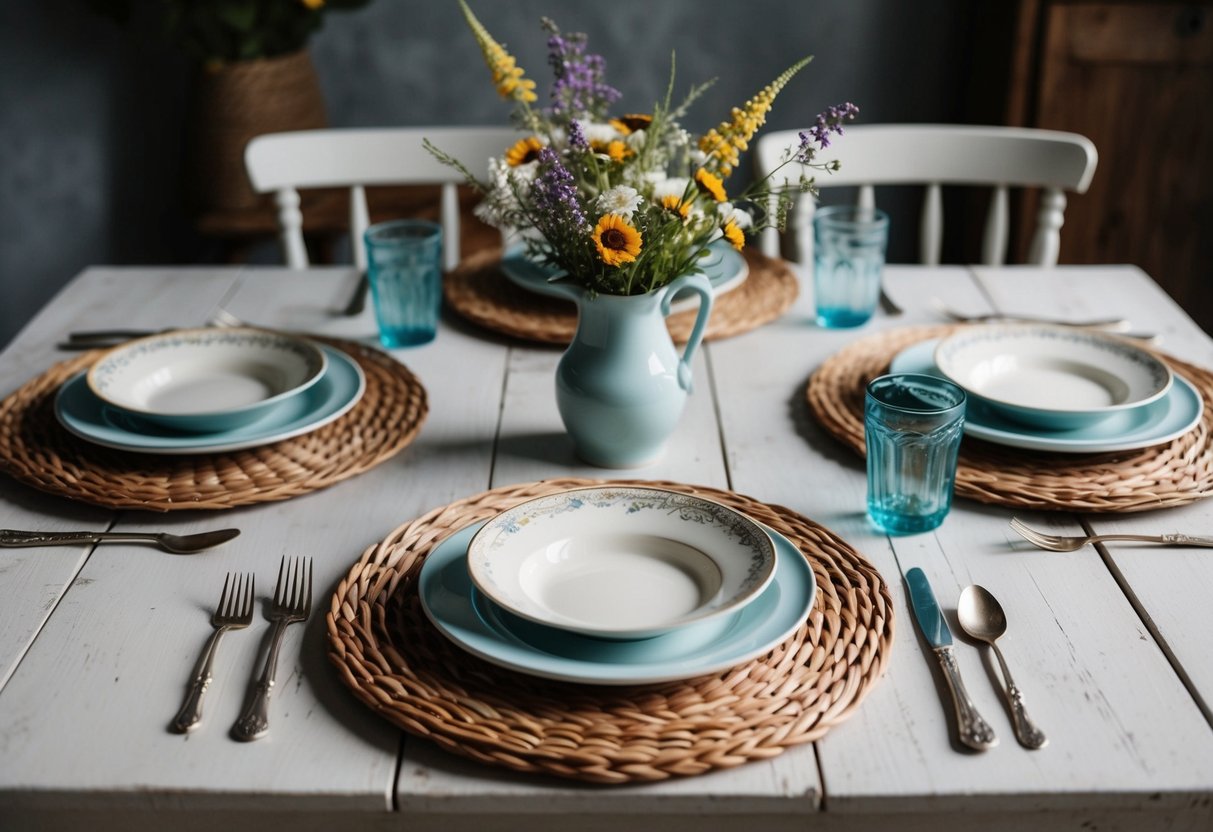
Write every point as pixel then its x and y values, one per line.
pixel 620 385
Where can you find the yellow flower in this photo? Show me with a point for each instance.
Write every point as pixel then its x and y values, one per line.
pixel 616 240
pixel 313 4
pixel 723 145
pixel 507 75
pixel 734 235
pixel 631 122
pixel 616 150
pixel 675 205
pixel 523 151
pixel 710 184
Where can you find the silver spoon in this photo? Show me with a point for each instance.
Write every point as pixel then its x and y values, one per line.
pixel 178 544
pixel 981 616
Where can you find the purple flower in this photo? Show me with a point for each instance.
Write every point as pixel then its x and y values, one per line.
pixel 828 121
pixel 580 88
pixel 577 138
pixel 554 195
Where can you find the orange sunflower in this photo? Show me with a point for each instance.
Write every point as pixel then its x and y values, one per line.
pixel 675 205
pixel 710 184
pixel 630 123
pixel 617 241
pixel 734 235
pixel 615 150
pixel 523 151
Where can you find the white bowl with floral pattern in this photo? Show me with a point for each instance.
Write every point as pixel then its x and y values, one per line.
pixel 206 380
pixel 1052 377
pixel 621 562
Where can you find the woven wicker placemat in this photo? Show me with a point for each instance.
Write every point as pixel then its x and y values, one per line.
pixel 1171 474
pixel 397 663
pixel 38 451
pixel 480 293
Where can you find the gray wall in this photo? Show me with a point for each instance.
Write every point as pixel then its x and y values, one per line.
pixel 92 115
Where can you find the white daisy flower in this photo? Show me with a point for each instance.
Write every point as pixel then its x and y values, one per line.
pixel 730 213
pixel 671 186
pixel 620 200
pixel 599 133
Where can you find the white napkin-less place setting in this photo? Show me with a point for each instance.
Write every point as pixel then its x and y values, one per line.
pixel 1062 390
pixel 209 390
pixel 680 586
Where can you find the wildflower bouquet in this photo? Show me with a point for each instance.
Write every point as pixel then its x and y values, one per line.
pixel 624 204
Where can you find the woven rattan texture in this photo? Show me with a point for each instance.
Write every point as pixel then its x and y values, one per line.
pixel 38 451
pixel 480 293
pixel 1171 474
pixel 397 663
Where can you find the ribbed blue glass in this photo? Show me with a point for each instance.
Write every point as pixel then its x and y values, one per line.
pixel 404 262
pixel 912 427
pixel 848 257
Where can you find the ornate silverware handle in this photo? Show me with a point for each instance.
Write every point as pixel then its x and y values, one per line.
pixel 15 537
pixel 1167 539
pixel 191 709
pixel 254 723
pixel 974 731
pixel 1026 732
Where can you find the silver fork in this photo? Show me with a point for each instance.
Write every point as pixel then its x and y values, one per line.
pixel 234 612
pixel 1062 543
pixel 292 603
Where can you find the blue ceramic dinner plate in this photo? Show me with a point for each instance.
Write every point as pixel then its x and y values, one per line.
pixel 88 417
pixel 724 268
pixel 1167 418
pixel 477 625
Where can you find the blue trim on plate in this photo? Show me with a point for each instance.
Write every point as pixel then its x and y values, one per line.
pixel 1163 420
pixel 483 629
pixel 340 387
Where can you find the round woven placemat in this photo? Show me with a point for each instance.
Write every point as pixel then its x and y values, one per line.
pixel 38 451
pixel 397 663
pixel 1171 474
pixel 480 293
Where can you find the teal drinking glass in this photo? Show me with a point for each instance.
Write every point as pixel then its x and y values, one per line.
pixel 849 245
pixel 912 427
pixel 404 267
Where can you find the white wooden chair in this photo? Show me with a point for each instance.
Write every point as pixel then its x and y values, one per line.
pixel 355 158
pixel 934 155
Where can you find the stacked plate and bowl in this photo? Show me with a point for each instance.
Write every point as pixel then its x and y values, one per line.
pixel 617 585
pixel 1059 389
pixel 209 390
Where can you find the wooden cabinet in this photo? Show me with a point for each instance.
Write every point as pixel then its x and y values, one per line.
pixel 1137 79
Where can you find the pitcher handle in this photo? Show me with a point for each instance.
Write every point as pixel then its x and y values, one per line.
pixel 699 284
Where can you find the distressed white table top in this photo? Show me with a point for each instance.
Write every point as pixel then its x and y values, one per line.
pixel 1112 649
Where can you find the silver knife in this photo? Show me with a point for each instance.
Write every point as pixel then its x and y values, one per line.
pixel 93 339
pixel 974 731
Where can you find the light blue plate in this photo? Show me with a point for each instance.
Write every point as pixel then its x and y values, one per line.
pixel 88 417
pixel 483 629
pixel 1162 420
pixel 724 268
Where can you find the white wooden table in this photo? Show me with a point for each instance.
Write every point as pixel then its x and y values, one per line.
pixel 1113 649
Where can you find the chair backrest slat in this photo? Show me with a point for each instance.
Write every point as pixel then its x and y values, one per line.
pixel 997 229
pixel 938 155
pixel 356 158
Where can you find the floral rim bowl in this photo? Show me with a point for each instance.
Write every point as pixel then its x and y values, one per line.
pixel 1052 377
pixel 621 562
pixel 210 379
